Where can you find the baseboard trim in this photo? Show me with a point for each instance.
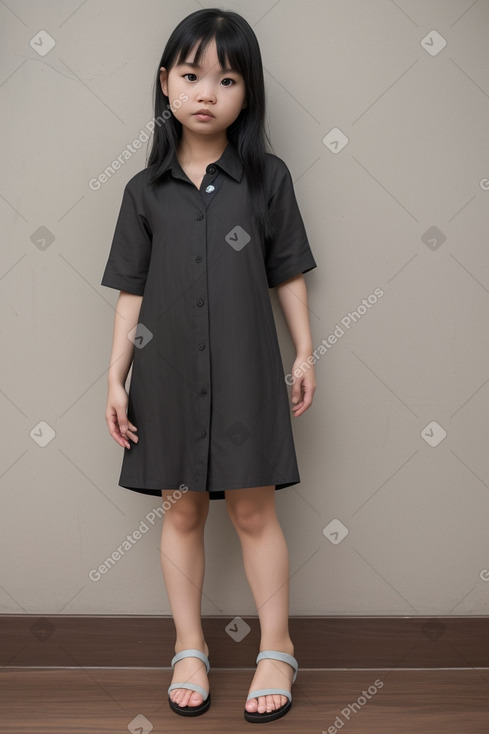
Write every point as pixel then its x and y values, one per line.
pixel 333 642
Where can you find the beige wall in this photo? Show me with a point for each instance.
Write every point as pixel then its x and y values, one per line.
pixel 415 170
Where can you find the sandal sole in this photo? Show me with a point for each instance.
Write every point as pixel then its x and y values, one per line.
pixel 190 710
pixel 257 718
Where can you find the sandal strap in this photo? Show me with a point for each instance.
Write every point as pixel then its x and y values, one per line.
pixel 283 656
pixel 191 653
pixel 270 692
pixel 191 687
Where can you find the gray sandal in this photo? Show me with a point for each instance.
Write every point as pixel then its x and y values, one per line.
pixel 256 717
pixel 190 710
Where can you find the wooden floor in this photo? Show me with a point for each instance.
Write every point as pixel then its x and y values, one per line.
pixel 118 700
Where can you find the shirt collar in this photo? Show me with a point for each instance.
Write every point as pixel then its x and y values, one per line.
pixel 229 162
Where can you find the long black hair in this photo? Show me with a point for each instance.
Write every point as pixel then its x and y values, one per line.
pixel 237 46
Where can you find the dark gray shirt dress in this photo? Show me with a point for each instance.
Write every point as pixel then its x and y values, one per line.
pixel 207 390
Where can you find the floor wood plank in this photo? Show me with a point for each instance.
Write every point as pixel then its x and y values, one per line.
pixel 106 701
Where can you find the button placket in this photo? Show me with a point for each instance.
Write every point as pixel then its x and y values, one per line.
pixel 199 295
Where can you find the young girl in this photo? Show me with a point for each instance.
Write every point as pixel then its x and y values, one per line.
pixel 203 232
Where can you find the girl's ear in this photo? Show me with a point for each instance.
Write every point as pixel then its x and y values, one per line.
pixel 164 81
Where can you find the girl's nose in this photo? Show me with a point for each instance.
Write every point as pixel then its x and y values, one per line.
pixel 206 93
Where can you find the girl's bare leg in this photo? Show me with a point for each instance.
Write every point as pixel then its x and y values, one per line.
pixel 183 565
pixel 266 563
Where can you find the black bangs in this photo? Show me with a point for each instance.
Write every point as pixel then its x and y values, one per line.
pixel 229 51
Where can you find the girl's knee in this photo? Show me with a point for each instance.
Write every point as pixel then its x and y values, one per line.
pixel 251 522
pixel 250 516
pixel 187 513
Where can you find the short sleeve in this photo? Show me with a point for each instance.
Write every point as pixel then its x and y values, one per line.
pixel 128 262
pixel 289 253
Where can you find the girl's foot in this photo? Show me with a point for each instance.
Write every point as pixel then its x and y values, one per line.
pixel 270 674
pixel 189 670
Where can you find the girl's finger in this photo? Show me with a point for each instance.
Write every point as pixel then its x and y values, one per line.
pixel 305 401
pixel 297 392
pixel 133 436
pixel 118 438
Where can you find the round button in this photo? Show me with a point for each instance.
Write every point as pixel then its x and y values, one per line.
pixel 210 189
pixel 200 302
pixel 203 391
pixel 203 434
pixel 211 168
pixel 201 346
pixel 200 217
pixel 198 259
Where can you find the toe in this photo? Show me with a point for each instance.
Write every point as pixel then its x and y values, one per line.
pixel 265 704
pixel 273 702
pixel 177 695
pixel 278 701
pixel 185 697
pixel 251 705
pixel 195 699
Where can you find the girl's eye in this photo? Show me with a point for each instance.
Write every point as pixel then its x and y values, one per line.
pixel 227 79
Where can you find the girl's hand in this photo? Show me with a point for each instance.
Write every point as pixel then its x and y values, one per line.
pixel 120 428
pixel 303 386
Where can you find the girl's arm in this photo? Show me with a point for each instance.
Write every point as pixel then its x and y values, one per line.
pixel 292 296
pixel 126 318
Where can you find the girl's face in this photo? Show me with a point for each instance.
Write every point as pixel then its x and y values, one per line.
pixel 222 93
